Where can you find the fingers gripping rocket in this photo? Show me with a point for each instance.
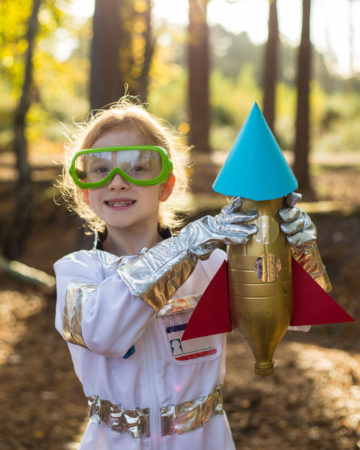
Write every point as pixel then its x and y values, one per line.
pixel 277 279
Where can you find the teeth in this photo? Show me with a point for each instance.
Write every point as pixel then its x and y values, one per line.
pixel 119 204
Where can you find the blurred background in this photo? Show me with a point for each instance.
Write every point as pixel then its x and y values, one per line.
pixel 200 65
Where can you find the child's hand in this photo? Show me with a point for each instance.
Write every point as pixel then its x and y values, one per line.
pixel 228 215
pixel 228 227
pixel 299 229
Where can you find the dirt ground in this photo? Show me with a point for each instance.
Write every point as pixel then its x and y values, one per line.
pixel 311 402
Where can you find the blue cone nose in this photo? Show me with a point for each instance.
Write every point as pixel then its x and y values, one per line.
pixel 255 167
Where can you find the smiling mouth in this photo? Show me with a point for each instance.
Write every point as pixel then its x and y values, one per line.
pixel 120 204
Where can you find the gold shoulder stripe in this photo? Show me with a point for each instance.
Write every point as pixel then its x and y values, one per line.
pixel 77 295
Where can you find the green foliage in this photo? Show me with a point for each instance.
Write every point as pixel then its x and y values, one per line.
pixel 231 52
pixel 59 91
pixel 14 15
pixel 13 44
pixel 231 101
pixel 339 130
pixel 168 76
pixel 167 96
pixel 285 115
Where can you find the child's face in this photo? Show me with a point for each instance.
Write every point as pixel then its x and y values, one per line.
pixel 121 204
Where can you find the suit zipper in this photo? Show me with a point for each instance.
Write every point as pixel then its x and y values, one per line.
pixel 154 405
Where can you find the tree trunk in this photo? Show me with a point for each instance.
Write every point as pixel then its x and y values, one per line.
pixel 18 227
pixel 199 66
pixel 302 140
pixel 143 80
pixel 271 66
pixel 106 82
pixel 116 68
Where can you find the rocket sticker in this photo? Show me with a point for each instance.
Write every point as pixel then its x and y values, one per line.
pixel 261 288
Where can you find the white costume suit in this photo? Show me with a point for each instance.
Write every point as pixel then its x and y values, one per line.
pixel 162 371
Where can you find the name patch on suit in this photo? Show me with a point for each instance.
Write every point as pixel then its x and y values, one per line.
pixel 191 349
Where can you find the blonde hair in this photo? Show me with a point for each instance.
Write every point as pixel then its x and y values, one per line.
pixel 125 114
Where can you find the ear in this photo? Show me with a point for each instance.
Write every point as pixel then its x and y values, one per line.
pixel 167 188
pixel 86 195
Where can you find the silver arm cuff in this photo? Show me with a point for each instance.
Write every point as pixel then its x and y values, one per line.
pixel 154 279
pixel 301 234
pixel 310 260
pixel 156 274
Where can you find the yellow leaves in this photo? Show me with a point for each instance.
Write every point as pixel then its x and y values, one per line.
pixel 139 46
pixel 167 95
pixel 184 128
pixel 164 71
pixel 138 50
pixel 45 16
pixel 13 18
pixel 47 20
pixel 10 54
pixel 21 46
pixel 140 25
pixel 318 102
pixel 8 61
pixel 140 6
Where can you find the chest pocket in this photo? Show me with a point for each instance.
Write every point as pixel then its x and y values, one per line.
pixel 173 319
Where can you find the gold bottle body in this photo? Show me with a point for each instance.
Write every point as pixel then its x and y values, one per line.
pixel 260 285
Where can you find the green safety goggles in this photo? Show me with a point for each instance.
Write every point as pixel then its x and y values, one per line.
pixel 144 165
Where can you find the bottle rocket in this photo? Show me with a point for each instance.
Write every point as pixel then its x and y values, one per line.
pixel 259 273
pixel 264 288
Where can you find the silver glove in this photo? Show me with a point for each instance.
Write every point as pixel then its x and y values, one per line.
pixel 157 273
pixel 301 234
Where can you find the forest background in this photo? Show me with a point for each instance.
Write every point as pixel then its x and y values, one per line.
pixel 55 66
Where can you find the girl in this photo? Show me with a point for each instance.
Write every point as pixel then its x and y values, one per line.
pixel 123 306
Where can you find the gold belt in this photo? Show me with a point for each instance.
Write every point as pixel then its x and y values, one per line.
pixel 175 419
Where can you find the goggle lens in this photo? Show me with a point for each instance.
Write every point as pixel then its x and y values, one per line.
pixel 138 165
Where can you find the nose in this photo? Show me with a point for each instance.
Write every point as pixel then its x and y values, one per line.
pixel 118 183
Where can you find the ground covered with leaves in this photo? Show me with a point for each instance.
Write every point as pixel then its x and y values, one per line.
pixel 311 402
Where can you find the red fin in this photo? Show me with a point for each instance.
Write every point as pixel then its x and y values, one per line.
pixel 212 315
pixel 312 305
